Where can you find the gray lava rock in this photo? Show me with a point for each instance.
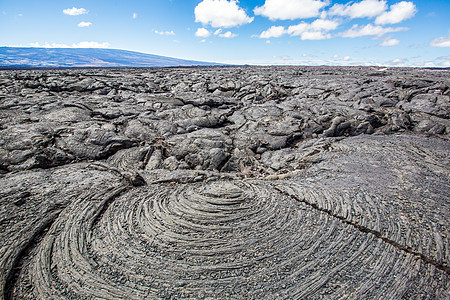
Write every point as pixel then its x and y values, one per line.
pixel 94 143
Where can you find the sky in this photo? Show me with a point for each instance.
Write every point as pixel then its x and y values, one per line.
pixel 257 32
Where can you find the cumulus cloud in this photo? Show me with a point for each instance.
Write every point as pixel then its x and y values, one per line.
pixel 317 30
pixel 389 42
pixel 75 11
pixel 315 35
pixel 370 30
pixel 363 9
pixel 429 64
pixel 398 12
pixel 84 24
pixel 445 63
pixel 298 29
pixel 327 25
pixel 221 13
pixel 228 35
pixel 135 15
pixel 164 32
pixel 202 32
pixel 290 9
pixel 273 32
pixel 397 62
pixel 441 42
pixel 347 58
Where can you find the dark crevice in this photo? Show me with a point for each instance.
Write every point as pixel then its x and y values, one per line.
pixel 441 266
pixel 146 157
pixel 224 162
pixel 78 105
pixel 293 140
pixel 16 268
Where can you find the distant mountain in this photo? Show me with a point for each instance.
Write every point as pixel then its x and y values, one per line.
pixel 86 57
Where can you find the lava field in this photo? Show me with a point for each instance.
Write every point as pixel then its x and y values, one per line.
pixel 225 183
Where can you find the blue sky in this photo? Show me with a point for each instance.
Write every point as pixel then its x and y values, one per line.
pixel 293 32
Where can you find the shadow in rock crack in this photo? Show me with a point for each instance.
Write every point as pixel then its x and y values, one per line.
pixel 10 285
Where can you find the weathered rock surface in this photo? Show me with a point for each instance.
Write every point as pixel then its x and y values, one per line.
pixel 295 183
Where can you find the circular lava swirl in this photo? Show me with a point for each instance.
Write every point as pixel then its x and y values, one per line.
pixel 217 240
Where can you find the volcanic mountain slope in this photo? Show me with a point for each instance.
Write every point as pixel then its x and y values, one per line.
pixel 87 57
pixel 259 183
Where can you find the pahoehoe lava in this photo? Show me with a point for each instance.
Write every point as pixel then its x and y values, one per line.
pixel 225 183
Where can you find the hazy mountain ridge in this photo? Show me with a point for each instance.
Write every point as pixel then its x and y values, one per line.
pixel 87 57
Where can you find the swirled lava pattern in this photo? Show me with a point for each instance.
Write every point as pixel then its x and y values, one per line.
pixel 217 240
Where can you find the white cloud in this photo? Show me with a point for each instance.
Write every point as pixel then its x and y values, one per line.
pixel 326 25
pixel 396 62
pixel 317 30
pixel 389 42
pixel 298 29
pixel 316 26
pixel 268 42
pixel 370 30
pixel 164 32
pixel 218 31
pixel 398 12
pixel 135 15
pixel 315 35
pixel 274 31
pixel 228 35
pixel 429 64
pixel 441 42
pixel 221 13
pixel 440 63
pixel 75 11
pixel 290 9
pixel 445 63
pixel 86 44
pixel 335 56
pixel 363 9
pixel 202 32
pixel 84 24
pixel 347 58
